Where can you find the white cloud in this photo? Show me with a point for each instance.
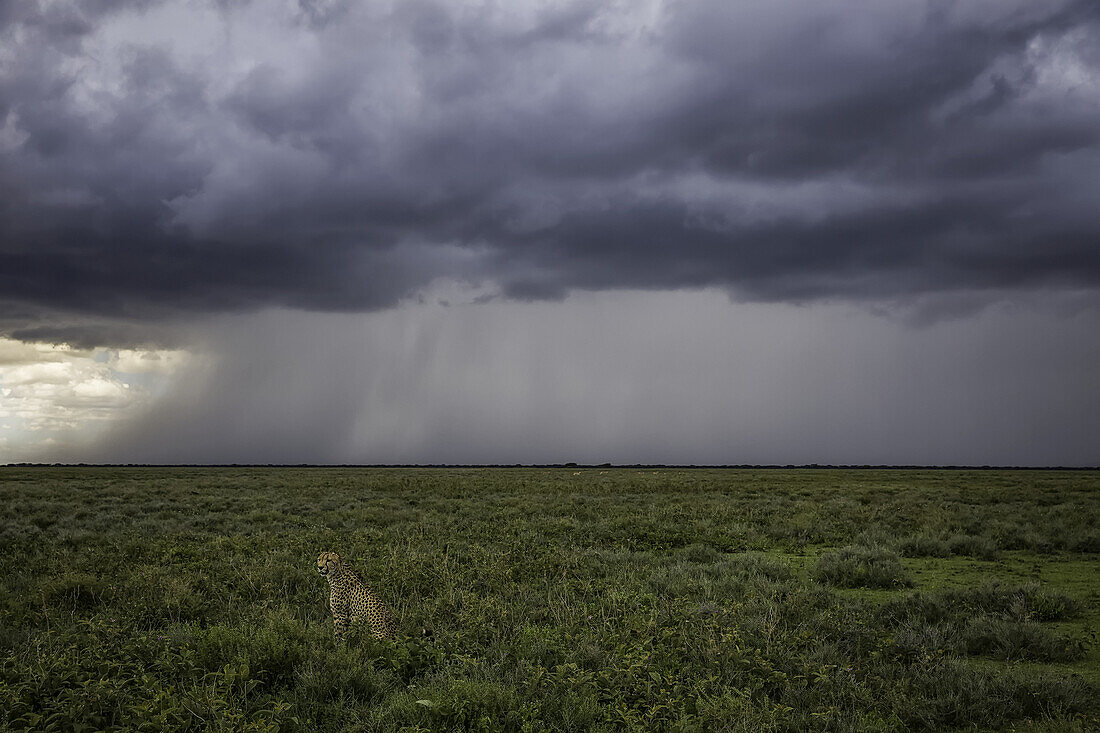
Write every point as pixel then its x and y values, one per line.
pixel 131 361
pixel 18 352
pixel 52 394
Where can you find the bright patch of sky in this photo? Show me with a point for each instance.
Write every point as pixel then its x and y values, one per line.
pixel 53 394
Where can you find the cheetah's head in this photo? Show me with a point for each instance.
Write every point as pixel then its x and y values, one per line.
pixel 328 563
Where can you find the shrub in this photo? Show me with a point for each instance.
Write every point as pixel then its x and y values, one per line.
pixel 1049 605
pixel 862 567
pixel 758 564
pixel 950 695
pixel 1086 541
pixel 1016 537
pixel 1020 603
pixel 973 545
pixel 1010 640
pixel 923 546
pixel 701 554
pixel 74 592
pixel 471 705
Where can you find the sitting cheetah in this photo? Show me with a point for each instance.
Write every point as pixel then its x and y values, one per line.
pixel 350 599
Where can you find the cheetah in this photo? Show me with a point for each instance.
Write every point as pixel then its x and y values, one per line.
pixel 350 599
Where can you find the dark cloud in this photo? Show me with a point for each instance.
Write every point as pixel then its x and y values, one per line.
pixel 158 160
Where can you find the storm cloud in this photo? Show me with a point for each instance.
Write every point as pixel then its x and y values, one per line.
pixel 860 231
pixel 165 159
pixel 628 377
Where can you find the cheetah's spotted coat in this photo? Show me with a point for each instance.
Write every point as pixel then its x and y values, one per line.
pixel 350 599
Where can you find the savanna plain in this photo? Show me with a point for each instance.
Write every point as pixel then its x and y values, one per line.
pixel 556 599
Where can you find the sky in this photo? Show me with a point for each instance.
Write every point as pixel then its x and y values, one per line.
pixel 536 231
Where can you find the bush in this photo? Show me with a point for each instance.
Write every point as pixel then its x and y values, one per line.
pixel 923 546
pixel 74 592
pixel 1009 640
pixel 973 545
pixel 1013 536
pixel 757 565
pixel 862 567
pixel 1088 541
pixel 1019 603
pixel 464 705
pixel 951 695
pixel 701 554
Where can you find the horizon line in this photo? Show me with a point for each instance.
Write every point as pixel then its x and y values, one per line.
pixel 695 466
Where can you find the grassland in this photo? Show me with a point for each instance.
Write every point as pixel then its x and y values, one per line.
pixel 560 599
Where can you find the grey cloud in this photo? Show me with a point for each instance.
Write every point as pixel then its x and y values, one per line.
pixel 344 156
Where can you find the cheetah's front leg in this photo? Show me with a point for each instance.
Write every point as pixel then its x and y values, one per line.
pixel 340 620
pixel 340 627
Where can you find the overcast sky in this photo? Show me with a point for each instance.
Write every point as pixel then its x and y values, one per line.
pixel 781 231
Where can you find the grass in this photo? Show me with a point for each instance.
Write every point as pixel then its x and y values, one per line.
pixel 560 599
pixel 862 567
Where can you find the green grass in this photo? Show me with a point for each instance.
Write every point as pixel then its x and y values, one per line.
pixel 560 599
pixel 862 567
